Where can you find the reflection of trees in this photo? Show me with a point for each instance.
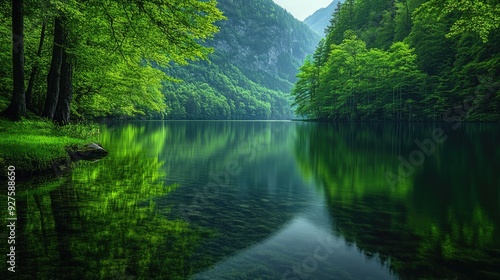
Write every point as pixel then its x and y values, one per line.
pixel 100 222
pixel 352 160
pixel 196 149
pixel 439 222
pixel 459 211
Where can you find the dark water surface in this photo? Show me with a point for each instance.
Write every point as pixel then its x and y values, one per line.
pixel 269 200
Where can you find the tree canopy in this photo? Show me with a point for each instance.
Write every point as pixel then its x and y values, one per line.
pixel 104 56
pixel 405 60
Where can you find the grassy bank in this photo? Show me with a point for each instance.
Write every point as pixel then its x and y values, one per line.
pixel 33 146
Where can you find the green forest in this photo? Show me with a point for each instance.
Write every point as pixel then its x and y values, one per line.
pixel 219 90
pixel 67 64
pixel 69 58
pixel 405 60
pixel 257 53
pixel 150 59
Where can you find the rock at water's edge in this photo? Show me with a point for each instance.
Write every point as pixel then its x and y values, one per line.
pixel 91 151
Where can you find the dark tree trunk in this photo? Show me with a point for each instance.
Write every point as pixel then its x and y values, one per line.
pixel 34 71
pixel 62 113
pixel 55 71
pixel 17 107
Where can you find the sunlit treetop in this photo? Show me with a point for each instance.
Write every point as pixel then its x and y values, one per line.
pixel 478 16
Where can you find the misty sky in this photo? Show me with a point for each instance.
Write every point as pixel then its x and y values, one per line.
pixel 302 8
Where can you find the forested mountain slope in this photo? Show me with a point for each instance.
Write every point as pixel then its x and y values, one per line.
pixel 257 54
pixel 122 59
pixel 407 60
pixel 320 19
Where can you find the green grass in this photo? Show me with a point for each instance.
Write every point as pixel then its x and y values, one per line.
pixel 33 146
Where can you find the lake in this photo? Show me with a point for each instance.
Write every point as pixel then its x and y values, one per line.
pixel 269 200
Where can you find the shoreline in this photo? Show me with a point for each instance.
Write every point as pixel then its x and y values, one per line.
pixel 36 147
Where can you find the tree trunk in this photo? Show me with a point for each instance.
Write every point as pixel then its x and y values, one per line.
pixel 62 113
pixel 393 105
pixel 55 70
pixel 17 107
pixel 400 114
pixel 34 71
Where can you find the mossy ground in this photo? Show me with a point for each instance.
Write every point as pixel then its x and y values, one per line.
pixel 33 146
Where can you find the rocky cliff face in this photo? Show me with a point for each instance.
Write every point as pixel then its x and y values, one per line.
pixel 257 54
pixel 264 41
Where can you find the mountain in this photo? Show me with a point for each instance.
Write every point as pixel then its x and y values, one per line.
pixel 321 18
pixel 256 56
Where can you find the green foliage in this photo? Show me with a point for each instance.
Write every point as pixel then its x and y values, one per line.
pixel 437 216
pixel 257 53
pixel 479 16
pixel 115 50
pixel 139 89
pixel 126 57
pixel 219 90
pixel 396 60
pixel 303 91
pixel 102 222
pixel 357 83
pixel 32 146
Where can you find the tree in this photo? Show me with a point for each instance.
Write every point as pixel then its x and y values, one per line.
pixel 423 73
pixel 402 19
pixel 35 69
pixel 302 91
pixel 63 108
pixel 406 81
pixel 17 107
pixel 110 39
pixel 434 52
pixel 478 16
pixel 54 77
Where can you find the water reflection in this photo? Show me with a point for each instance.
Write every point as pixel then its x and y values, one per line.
pixel 266 219
pixel 100 222
pixel 268 200
pixel 441 221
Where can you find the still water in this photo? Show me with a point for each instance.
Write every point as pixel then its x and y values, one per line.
pixel 269 200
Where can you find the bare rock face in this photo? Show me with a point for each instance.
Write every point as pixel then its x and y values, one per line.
pixel 91 151
pixel 264 41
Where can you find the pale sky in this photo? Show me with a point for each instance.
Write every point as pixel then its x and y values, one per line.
pixel 302 8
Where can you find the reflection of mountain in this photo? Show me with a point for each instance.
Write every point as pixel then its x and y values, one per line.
pixel 262 218
pixel 241 208
pixel 289 246
pixel 439 221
